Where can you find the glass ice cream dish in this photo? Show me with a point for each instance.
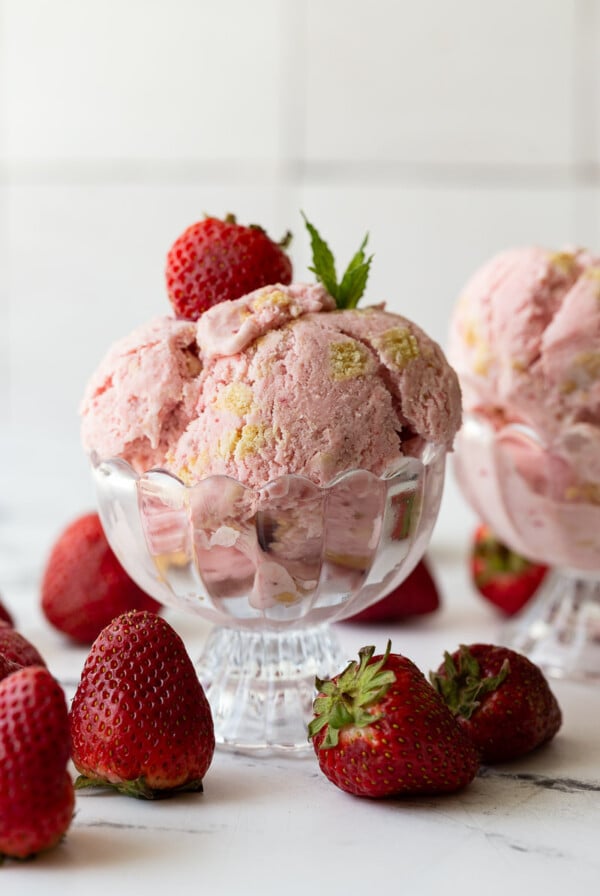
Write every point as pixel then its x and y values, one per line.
pixel 273 466
pixel 271 567
pixel 525 341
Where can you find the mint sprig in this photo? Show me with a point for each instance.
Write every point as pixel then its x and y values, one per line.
pixel 348 291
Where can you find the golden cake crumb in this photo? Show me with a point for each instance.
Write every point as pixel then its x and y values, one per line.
pixel 564 261
pixel 398 346
pixel 251 439
pixel 470 334
pixel 286 597
pixel 347 360
pixel 586 491
pixel 235 397
pixel 584 370
pixel 193 468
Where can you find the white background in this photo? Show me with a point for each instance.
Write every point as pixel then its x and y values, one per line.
pixel 447 130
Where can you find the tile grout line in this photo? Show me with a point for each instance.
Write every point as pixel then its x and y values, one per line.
pixel 162 172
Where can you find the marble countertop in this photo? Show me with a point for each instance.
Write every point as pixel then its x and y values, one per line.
pixel 274 825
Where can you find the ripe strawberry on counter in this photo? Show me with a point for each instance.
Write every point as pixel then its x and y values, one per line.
pixel 380 729
pixel 84 586
pixel 36 790
pixel 217 260
pixel 140 721
pixel 503 577
pixel 500 699
pixel 417 595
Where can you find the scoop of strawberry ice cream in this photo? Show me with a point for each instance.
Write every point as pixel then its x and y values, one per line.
pixel 143 394
pixel 524 336
pixel 525 340
pixel 275 382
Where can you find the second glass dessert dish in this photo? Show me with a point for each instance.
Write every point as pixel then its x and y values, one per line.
pixel 272 567
pixel 524 340
pixel 513 481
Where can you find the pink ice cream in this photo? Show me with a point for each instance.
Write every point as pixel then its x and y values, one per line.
pixel 275 382
pixel 525 341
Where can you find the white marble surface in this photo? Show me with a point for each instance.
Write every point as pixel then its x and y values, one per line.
pixel 277 825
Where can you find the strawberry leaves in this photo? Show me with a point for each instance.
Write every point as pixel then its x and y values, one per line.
pixel 346 700
pixel 462 685
pixel 350 288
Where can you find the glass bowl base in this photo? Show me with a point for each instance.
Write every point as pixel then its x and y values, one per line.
pixel 261 685
pixel 560 629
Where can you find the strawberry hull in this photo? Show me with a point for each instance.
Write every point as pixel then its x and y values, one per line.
pixel 502 576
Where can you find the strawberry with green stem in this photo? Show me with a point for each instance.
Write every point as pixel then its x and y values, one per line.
pixel 501 700
pixel 379 729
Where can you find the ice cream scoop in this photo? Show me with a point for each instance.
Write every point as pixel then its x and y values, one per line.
pixel 275 382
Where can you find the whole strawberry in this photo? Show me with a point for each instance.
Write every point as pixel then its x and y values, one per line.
pixel 16 648
pixel 140 721
pixel 503 577
pixel 36 791
pixel 417 595
pixel 217 260
pixel 380 729
pixel 500 699
pixel 84 586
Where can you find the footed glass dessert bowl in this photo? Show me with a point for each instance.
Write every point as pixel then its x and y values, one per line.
pixel 540 503
pixel 271 568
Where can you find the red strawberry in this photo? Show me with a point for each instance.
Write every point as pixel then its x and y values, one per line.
pixel 381 730
pixel 502 576
pixel 417 595
pixel 501 700
pixel 140 721
pixel 36 791
pixel 84 585
pixel 214 261
pixel 17 649
pixel 5 615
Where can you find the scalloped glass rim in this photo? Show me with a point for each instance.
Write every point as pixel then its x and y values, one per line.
pixel 287 553
pixel 431 450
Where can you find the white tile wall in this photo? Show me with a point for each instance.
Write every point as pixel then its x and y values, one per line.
pixel 461 82
pixel 143 79
pixel 448 130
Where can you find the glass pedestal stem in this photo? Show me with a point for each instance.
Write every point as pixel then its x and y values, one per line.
pixel 261 685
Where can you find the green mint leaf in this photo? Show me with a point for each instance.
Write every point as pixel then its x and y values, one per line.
pixel 323 262
pixel 353 285
pixel 347 292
